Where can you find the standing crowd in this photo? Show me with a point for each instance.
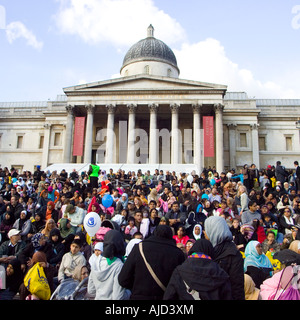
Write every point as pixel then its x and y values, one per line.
pixel 165 235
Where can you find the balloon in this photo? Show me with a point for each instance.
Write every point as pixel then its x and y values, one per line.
pixel 190 178
pixel 92 223
pixel 107 201
pixel 212 182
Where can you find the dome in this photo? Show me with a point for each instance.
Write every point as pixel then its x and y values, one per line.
pixel 150 49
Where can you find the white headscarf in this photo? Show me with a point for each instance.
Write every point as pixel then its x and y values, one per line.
pixel 197 236
pixel 130 246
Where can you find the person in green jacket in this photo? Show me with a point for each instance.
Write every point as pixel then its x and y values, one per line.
pixel 94 171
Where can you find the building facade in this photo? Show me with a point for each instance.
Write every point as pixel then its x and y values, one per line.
pixel 150 117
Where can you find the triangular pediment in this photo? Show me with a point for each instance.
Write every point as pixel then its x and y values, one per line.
pixel 142 83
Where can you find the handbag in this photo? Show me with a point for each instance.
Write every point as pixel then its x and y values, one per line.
pixel 36 282
pixel 150 269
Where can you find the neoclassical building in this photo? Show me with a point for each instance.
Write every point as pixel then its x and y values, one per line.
pixel 151 118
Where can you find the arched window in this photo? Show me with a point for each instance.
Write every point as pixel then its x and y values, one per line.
pixel 169 73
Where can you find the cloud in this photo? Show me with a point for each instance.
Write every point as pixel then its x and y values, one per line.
pixel 124 22
pixel 17 29
pixel 118 22
pixel 207 61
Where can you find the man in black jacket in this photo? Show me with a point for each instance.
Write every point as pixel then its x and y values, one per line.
pixel 161 253
pixel 280 173
pixel 176 217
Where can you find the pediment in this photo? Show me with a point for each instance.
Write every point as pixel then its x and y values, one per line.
pixel 143 83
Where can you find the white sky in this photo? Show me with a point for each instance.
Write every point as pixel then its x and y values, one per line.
pixel 248 45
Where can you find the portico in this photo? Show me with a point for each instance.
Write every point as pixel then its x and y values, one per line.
pixel 161 125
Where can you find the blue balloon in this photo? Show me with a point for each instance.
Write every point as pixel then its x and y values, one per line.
pixel 212 182
pixel 107 201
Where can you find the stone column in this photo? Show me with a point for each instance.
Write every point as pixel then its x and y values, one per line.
pixel 219 138
pixel 110 147
pixel 255 145
pixel 131 133
pixel 69 134
pixel 175 135
pixel 88 147
pixel 197 136
pixel 153 135
pixel 232 145
pixel 46 145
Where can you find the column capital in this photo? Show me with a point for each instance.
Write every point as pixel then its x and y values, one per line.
pixel 47 125
pixel 90 108
pixel 153 107
pixel 254 126
pixel 174 107
pixel 218 107
pixel 70 109
pixel 196 107
pixel 232 126
pixel 132 107
pixel 111 108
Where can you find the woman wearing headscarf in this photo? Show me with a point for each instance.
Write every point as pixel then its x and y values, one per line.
pixel 161 253
pixel 23 224
pixel 197 217
pixel 251 292
pixel 51 212
pixel 67 232
pixel 245 235
pixel 14 278
pixel 50 225
pixel 197 232
pixel 58 247
pixel 199 275
pixel 103 280
pixel 226 254
pixel 256 264
pixel 38 242
pixel 41 258
pixel 6 224
pixel 38 223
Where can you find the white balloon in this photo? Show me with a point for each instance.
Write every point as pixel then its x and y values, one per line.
pixel 190 178
pixel 92 223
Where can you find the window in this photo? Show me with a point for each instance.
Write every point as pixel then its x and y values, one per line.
pixel 262 143
pixel 19 142
pixel 57 139
pixel 243 140
pixel 41 143
pixel 147 69
pixel 169 73
pixel 288 144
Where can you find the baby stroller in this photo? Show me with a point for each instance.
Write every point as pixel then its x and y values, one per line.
pixel 71 289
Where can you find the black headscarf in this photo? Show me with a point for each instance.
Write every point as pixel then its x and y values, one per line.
pixel 113 245
pixel 55 232
pixel 14 281
pixel 9 221
pixel 203 246
pixel 163 231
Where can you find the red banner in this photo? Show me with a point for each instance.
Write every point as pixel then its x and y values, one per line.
pixel 208 136
pixel 78 136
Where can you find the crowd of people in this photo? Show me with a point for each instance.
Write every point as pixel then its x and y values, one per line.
pixel 166 235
